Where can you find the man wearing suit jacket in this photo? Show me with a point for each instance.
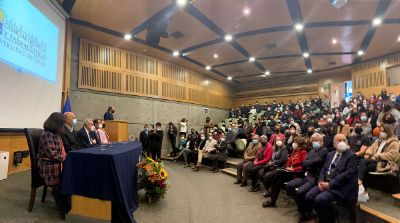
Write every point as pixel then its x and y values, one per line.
pixel 337 182
pixel 109 115
pixel 69 134
pixel 86 135
pixel 145 139
pixel 298 187
pixel 156 138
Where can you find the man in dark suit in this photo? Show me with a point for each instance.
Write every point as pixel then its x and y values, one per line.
pixel 298 187
pixel 109 115
pixel 145 139
pixel 337 182
pixel 69 134
pixel 156 138
pixel 86 135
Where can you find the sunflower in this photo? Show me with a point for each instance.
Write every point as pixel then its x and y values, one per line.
pixel 163 174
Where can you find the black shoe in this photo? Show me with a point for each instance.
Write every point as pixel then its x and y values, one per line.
pixel 243 184
pixel 269 204
pixel 238 181
pixel 252 188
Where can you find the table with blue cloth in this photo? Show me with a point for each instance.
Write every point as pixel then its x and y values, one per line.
pixel 106 173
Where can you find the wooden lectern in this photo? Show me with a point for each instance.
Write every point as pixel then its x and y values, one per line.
pixel 117 130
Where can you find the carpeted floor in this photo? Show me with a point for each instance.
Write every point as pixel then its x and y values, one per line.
pixel 193 197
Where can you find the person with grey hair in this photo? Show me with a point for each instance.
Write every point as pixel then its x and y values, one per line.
pixel 298 187
pixel 86 135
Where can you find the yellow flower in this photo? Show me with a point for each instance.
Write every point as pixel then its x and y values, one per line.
pixel 163 174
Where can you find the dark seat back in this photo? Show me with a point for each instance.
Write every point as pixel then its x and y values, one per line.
pixel 33 137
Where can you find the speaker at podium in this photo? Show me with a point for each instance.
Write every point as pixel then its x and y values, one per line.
pixel 117 130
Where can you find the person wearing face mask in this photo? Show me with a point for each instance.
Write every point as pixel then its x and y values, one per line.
pixel 248 158
pixel 69 134
pixel 290 137
pixel 263 156
pixel 365 125
pixel 230 141
pixel 344 128
pixel 184 149
pixel 205 152
pixel 337 182
pixel 144 138
pixel 109 115
pixel 198 147
pixel 358 141
pixel 277 133
pixel 305 123
pixel 100 133
pixel 156 138
pixel 379 154
pixel 172 132
pixel 329 135
pixel 279 176
pixel 208 125
pixel 219 153
pixel 308 138
pixel 298 187
pixel 278 160
pixel 86 135
pixel 354 117
pixel 384 95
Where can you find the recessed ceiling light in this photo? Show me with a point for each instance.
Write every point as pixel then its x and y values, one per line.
pixel 376 21
pixel 263 75
pixel 398 39
pixel 208 67
pixel 309 71
pixel 206 82
pixel 229 78
pixel 175 53
pixel 246 11
pixel 252 59
pixel 215 55
pixel 360 53
pixel 128 36
pixel 228 37
pixel 299 27
pixel 306 55
pixel 181 3
pixel 334 41
pixel 267 73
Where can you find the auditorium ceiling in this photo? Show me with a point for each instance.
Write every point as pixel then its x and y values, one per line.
pixel 255 42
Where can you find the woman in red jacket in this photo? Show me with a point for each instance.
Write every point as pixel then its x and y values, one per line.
pixel 281 176
pixel 263 155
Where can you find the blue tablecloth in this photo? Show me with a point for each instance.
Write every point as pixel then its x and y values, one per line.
pixel 105 174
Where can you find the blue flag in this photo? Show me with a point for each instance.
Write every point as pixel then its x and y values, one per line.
pixel 67 106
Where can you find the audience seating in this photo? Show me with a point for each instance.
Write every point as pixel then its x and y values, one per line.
pixel 33 136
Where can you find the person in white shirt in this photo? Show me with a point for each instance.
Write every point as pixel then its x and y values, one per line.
pixel 183 127
pixel 205 152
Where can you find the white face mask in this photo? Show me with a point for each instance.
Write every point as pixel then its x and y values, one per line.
pixel 254 141
pixel 278 143
pixel 329 120
pixel 210 138
pixel 222 139
pixel 294 145
pixel 74 121
pixel 182 138
pixel 341 147
pixel 202 138
pixel 342 122
pixel 100 126
pixel 383 135
pixel 92 128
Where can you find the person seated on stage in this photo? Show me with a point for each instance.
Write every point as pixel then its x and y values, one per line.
pixel 51 152
pixel 109 115
pixel 298 187
pixel 248 158
pixel 156 138
pixel 199 145
pixel 263 156
pixel 86 135
pixel 358 141
pixel 219 153
pixel 379 155
pixel 100 132
pixel 279 176
pixel 278 160
pixel 337 182
pixel 205 152
pixel 69 134
pixel 184 149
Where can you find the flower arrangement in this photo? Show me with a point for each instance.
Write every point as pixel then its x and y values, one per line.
pixel 153 178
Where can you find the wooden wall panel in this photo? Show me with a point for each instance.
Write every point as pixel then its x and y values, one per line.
pixel 104 68
pixel 370 77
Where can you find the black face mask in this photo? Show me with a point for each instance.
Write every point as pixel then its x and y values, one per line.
pixel 277 131
pixel 112 112
pixel 358 130
pixel 263 143
pixel 310 133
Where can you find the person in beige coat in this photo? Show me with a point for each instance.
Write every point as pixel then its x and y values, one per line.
pixel 248 158
pixel 379 155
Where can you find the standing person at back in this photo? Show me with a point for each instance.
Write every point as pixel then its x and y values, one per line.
pixel 183 127
pixel 109 115
pixel 172 132
pixel 145 140
pixel 156 138
pixel 208 125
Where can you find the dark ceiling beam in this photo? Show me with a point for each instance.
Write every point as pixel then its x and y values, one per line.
pixel 170 9
pixel 201 45
pixel 192 10
pixel 68 5
pixel 137 40
pixel 295 14
pixel 381 9
pixel 279 72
